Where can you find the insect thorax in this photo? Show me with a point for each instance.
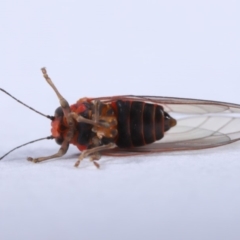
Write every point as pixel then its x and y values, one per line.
pixel 102 132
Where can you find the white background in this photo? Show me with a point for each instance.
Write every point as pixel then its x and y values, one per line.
pixel 101 48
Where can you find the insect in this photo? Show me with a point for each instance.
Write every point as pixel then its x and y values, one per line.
pixel 131 125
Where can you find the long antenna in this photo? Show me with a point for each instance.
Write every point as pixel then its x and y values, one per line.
pixel 45 138
pixel 47 116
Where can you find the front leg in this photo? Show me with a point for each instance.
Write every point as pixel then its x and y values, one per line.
pixel 60 153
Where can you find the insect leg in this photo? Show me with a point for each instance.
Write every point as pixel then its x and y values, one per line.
pixel 94 157
pixel 93 151
pixel 107 117
pixel 60 153
pixel 96 104
pixel 79 118
pixel 63 102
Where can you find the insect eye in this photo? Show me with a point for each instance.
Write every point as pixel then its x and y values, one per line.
pixel 58 112
pixel 59 140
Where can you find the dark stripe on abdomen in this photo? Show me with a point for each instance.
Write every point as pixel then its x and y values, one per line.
pixel 149 123
pixel 123 113
pixel 136 124
pixel 159 122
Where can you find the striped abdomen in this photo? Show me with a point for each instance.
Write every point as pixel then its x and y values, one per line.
pixel 140 123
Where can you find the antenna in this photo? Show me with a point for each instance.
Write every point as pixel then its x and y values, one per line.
pixel 47 116
pixel 40 139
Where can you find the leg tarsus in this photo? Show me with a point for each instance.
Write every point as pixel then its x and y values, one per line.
pixel 34 160
pixel 97 165
pixel 95 157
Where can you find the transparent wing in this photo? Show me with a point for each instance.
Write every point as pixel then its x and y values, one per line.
pixel 181 105
pixel 191 134
pixel 200 124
